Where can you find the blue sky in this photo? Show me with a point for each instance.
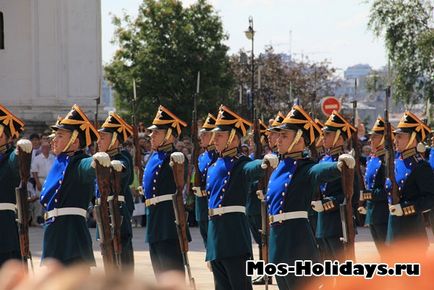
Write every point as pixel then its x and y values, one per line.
pixel 335 30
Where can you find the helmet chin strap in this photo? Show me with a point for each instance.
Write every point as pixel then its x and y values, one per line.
pixel 230 139
pixel 113 140
pixel 211 139
pixel 338 134
pixel 2 129
pixel 295 141
pixel 74 136
pixel 412 137
pixel 166 137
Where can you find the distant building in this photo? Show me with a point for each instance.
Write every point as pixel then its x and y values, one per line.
pixel 50 58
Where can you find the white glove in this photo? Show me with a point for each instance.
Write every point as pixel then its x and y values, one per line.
pixel 317 205
pixel 197 191
pixel 362 210
pixel 396 209
pixel 347 159
pixel 177 157
pixel 270 159
pixel 140 190
pixel 117 165
pixel 25 145
pixel 260 194
pixel 102 158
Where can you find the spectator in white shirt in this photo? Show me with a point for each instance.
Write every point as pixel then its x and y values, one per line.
pixel 40 167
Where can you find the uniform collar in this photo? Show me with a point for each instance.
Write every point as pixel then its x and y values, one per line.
pixel 113 152
pixel 230 152
pixel 73 153
pixel 210 148
pixel 408 153
pixel 380 153
pixel 293 155
pixel 336 150
pixel 166 148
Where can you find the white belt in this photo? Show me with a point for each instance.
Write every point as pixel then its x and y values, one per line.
pixel 65 211
pixel 121 198
pixel 288 216
pixel 226 209
pixel 158 199
pixel 7 206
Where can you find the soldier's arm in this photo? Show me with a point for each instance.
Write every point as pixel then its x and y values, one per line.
pixel 85 170
pixel 379 192
pixel 252 170
pixel 425 184
pixel 323 172
pixel 13 162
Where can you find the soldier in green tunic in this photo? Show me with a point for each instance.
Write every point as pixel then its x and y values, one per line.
pixel 205 160
pixel 68 190
pixel 289 194
pixel 113 133
pixel 228 183
pixel 10 128
pixel 415 181
pixel 159 186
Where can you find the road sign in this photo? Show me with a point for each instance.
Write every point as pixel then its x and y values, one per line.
pixel 330 104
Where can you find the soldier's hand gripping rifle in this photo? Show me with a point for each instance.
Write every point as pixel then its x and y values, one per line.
pixel 22 197
pixel 180 214
pixel 101 213
pixel 390 154
pixel 115 215
pixel 346 212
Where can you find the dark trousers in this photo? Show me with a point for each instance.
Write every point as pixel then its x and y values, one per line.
pixel 230 274
pixel 4 257
pixel 203 228
pixel 291 282
pixel 166 256
pixel 127 255
pixel 379 235
pixel 331 248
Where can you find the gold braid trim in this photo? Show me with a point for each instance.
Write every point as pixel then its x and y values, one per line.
pixel 74 136
pixel 113 140
pixel 296 139
pixel 338 133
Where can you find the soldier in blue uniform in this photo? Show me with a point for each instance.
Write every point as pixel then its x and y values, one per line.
pixel 205 160
pixel 415 181
pixel 290 191
pixel 375 198
pixel 68 190
pixel 159 186
pixel 10 128
pixel 329 228
pixel 115 131
pixel 228 183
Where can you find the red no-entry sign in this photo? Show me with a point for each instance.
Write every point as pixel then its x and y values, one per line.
pixel 330 104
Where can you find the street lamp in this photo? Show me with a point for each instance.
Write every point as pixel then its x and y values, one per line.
pixel 250 34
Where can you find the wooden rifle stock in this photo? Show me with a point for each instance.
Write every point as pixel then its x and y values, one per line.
pixel 24 160
pixel 115 216
pixel 101 211
pixel 346 211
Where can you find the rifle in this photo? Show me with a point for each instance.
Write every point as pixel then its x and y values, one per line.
pixel 390 154
pixel 101 212
pixel 22 195
pixel 137 149
pixel 358 171
pixel 115 216
pixel 346 213
pixel 195 141
pixel 181 217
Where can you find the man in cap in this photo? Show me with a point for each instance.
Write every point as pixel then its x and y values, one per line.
pixel 228 182
pixel 415 181
pixel 159 186
pixel 115 131
pixel 10 128
pixel 68 190
pixel 290 191
pixel 337 130
pixel 375 197
pixel 272 135
pixel 205 160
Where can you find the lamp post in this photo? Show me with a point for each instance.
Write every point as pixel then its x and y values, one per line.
pixel 250 34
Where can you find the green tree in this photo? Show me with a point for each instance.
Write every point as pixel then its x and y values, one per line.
pixel 163 49
pixel 405 25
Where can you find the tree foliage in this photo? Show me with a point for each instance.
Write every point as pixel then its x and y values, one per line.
pixel 163 49
pixel 405 27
